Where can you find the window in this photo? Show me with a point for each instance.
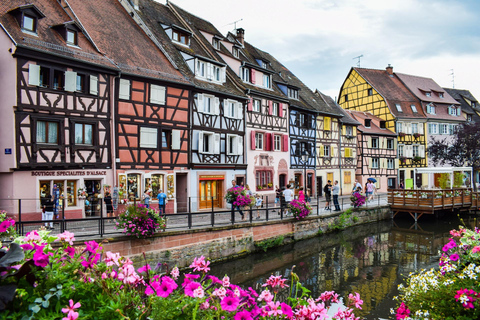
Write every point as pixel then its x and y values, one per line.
pixel 46 187
pixel 443 128
pixel 124 90
pixel 155 183
pixel 148 137
pixel 414 128
pixel 277 142
pixel 208 142
pixel 370 92
pixel 414 109
pixel 400 150
pixel 326 151
pixel 259 140
pixel 83 134
pixel 368 123
pixel 44 77
pixel 80 83
pixel 166 138
pixel 230 108
pixel 473 104
pixel 292 93
pixel 390 163
pixel 451 128
pixel 200 71
pixel 327 123
pixel 399 107
pixel 234 145
pixel 399 127
pixel 216 43
pixel 208 104
pixel 216 76
pixel 433 128
pixel 383 124
pixel 346 97
pixel 375 143
pixel 58 80
pixel 416 152
pixel 72 37
pixel 47 132
pixel 428 94
pixel 235 52
pixel 348 153
pixel 431 109
pixel 275 109
pixel 266 81
pixel 180 37
pixel 157 94
pixel 440 94
pixel 454 111
pixel 390 144
pixel 29 23
pixel 375 163
pixel 256 105
pixel 349 131
pixel 263 179
pixel 246 74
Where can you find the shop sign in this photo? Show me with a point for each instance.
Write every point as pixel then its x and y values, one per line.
pixel 69 173
pixel 211 177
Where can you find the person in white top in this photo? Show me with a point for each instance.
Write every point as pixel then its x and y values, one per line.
pixel 356 186
pixel 288 195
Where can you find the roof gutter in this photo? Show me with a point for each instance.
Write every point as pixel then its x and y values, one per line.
pixel 8 34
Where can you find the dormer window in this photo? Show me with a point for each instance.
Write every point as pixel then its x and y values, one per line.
pixel 428 94
pixel 27 17
pixel 293 93
pixel 383 124
pixel 370 92
pixel 69 32
pixel 440 94
pixel 208 71
pixel 367 123
pixel 248 75
pixel 180 37
pixel 454 111
pixel 399 107
pixel 72 37
pixel 414 109
pixel 216 43
pixel 473 104
pixel 235 52
pixel 431 109
pixel 266 81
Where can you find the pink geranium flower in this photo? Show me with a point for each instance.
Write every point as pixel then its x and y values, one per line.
pixel 476 249
pixel 199 264
pixel 229 303
pixel 175 273
pixel 243 315
pixel 190 287
pixel 67 237
pixel 355 300
pixel 40 259
pixel 6 224
pixel 402 312
pixel 70 310
pixel 286 310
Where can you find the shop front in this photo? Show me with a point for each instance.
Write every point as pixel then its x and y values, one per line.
pixel 210 191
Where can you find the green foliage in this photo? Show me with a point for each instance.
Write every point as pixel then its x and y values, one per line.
pixel 269 243
pixel 444 181
pixel 457 179
pixel 343 220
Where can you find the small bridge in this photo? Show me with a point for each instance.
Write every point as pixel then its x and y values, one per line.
pixel 419 202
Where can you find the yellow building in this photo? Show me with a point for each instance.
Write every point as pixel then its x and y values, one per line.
pixel 382 93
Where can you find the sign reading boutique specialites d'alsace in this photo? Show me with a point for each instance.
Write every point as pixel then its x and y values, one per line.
pixel 68 173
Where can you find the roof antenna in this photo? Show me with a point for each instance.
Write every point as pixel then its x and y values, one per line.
pixel 358 62
pixel 234 24
pixel 453 78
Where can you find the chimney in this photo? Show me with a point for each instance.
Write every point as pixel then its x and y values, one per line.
pixel 240 35
pixel 389 69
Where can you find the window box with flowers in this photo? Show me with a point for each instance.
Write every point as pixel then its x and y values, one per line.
pixel 403 160
pixel 417 158
pixel 417 135
pixel 402 134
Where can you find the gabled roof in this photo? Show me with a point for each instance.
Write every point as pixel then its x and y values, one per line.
pixel 465 97
pixel 345 117
pixel 374 128
pixel 393 91
pixel 419 86
pixel 47 40
pixel 154 15
pixel 122 40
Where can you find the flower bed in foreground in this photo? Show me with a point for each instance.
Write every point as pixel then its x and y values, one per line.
pixel 451 292
pixel 38 282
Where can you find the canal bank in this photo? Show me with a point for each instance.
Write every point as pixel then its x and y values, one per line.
pixel 232 241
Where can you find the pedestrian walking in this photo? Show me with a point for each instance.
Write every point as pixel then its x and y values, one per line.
pixel 234 207
pixel 258 205
pixel 47 212
pixel 301 195
pixel 162 201
pixel 335 193
pixel 288 195
pixel 146 199
pixel 278 194
pixel 370 190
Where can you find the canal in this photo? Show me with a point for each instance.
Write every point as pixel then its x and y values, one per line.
pixel 369 259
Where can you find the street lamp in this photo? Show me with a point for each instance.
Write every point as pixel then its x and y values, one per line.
pixel 305 157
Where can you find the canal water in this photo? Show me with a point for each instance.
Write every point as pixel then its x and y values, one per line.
pixel 369 259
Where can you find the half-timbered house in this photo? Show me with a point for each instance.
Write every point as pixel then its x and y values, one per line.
pixel 383 94
pixel 377 151
pixel 56 110
pixel 217 126
pixel 151 106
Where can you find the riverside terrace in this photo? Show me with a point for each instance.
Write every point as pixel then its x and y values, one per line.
pixel 100 225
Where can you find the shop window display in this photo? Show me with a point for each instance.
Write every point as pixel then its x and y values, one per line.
pixel 155 183
pixel 133 183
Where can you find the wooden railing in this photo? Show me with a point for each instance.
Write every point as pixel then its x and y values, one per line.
pixel 429 201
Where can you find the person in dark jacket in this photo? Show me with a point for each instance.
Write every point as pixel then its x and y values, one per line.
pixel 47 214
pixel 108 204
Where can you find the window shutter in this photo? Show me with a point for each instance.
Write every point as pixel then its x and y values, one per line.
pixel 344 130
pixel 420 128
pixel 369 142
pixel 124 90
pixel 148 137
pixel 280 110
pixel 200 102
pixel 200 142
pixel 216 109
pixel 216 141
pixel 157 94
pixel 270 107
pixel 354 131
pixel 459 111
pixel 239 145
pixel 33 74
pixel 322 151
pixel 285 142
pixel 93 85
pixel 268 142
pixel 222 74
pixel 332 149
pixel 70 81
pixel 421 151
pixel 252 140
pixel 239 111
pixel 396 163
pixel 176 143
pixel 395 144
pixel 370 163
pixel 309 148
pixel 250 104
pixel 252 76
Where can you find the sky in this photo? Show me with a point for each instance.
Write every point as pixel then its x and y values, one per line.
pixel 319 40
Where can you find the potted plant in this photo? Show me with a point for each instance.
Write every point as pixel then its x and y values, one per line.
pixel 403 160
pixel 417 158
pixel 402 134
pixel 300 209
pixel 417 135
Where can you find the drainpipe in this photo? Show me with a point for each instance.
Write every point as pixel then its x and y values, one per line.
pixel 340 157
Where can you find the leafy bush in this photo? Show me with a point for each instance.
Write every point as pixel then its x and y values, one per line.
pixel 140 221
pixel 300 209
pixel 450 293
pixel 270 243
pixel 87 283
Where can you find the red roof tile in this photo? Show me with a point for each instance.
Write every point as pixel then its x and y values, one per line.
pixel 374 128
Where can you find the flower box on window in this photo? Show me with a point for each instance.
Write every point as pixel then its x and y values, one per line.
pixel 417 135
pixel 402 134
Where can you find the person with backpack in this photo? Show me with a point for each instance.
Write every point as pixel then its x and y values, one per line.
pixel 328 194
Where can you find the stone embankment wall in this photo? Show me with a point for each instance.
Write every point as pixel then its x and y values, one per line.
pixel 226 242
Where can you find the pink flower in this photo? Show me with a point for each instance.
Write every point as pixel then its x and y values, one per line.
pixel 40 259
pixel 265 295
pixel 67 237
pixel 243 315
pixel 111 258
pixel 190 287
pixel 198 293
pixel 454 257
pixel 355 300
pixel 72 315
pixel 70 251
pixel 163 288
pixel 26 246
pixel 175 273
pixel 91 246
pixel 226 281
pixel 275 281
pixel 143 269
pixel 286 310
pixel 402 312
pixel 476 249
pixel 466 298
pixel 200 264
pixel 229 303
pixel 6 224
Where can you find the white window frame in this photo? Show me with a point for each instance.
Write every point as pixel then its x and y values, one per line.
pixel 390 163
pixel 237 141
pixel 245 74
pixel 375 163
pixel 235 52
pixel 444 128
pixel 267 81
pixel 414 127
pixel 213 142
pixel 216 43
pixel 259 140
pixel 201 69
pixel 375 143
pixel 390 144
pixel 148 137
pixel 210 101
pixel 431 109
pixel 326 151
pixel 451 128
pixel 433 128
pixel 415 150
pixel 400 150
pixel 399 127
pixel 257 105
pixel 414 109
pixel 277 142
pixel 399 107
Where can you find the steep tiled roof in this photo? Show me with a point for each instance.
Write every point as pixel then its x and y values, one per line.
pixel 154 14
pixel 345 118
pixel 47 39
pixel 374 124
pixel 199 23
pixel 420 85
pixel 122 40
pixel 394 92
pixel 462 96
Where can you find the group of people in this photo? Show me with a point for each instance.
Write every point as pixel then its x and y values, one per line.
pixel 334 190
pixel 161 197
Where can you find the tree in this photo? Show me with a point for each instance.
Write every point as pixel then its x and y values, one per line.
pixel 463 150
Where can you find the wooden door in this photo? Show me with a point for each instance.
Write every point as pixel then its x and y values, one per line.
pixel 210 190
